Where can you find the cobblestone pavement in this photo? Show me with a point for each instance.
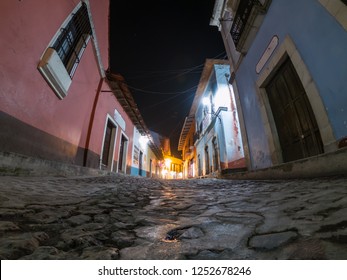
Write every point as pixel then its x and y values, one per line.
pixel 122 217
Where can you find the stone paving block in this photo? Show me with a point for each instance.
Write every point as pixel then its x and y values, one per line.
pixel 272 240
pixel 100 253
pixel 125 217
pixel 8 226
pixel 192 233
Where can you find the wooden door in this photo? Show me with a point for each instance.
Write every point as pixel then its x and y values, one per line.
pixel 296 125
pixel 107 144
pixel 140 163
pixel 108 147
pixel 122 155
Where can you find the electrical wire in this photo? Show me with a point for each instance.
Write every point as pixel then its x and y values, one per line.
pixel 187 71
pixel 161 93
pixel 161 102
pixel 166 120
pixel 184 72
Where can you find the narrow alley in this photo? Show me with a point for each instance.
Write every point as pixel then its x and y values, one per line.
pixel 126 217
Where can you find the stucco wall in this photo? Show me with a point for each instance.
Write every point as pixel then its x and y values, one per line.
pixel 321 42
pixel 37 122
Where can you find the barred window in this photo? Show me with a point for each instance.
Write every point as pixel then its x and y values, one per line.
pixel 73 39
pixel 240 21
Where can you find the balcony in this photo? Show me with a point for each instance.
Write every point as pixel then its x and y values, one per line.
pixel 247 17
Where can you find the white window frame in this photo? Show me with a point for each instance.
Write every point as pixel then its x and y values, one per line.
pixel 51 66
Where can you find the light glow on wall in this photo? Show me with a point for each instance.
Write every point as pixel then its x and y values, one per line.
pixel 206 101
pixel 222 97
pixel 168 163
pixel 143 140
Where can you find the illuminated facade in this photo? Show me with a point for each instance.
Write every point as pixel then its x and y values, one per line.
pixel 169 167
pixel 186 145
pixel 58 101
pixel 172 168
pixel 288 79
pixel 216 146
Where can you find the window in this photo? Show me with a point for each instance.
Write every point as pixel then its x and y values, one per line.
pixel 241 17
pixel 59 62
pixel 73 39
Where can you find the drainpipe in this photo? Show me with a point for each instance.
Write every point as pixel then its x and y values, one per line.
pixel 91 121
pixel 98 59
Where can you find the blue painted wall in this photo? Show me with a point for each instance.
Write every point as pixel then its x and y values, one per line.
pixel 322 44
pixel 135 172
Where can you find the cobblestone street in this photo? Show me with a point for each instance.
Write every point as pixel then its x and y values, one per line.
pixel 122 217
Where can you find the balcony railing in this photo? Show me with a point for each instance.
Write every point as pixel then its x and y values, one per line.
pixel 241 17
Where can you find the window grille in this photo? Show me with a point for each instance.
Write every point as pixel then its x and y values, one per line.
pixel 73 39
pixel 243 12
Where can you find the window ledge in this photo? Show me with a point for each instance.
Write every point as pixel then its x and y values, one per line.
pixel 252 25
pixel 53 70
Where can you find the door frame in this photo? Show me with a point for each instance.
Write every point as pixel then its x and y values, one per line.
pixel 112 144
pixel 215 154
pixel 296 111
pixel 140 162
pixel 125 153
pixel 285 50
pixel 207 159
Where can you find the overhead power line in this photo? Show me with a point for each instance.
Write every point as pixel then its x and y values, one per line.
pixel 162 93
pixel 192 70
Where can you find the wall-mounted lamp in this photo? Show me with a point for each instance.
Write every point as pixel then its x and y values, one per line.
pixel 143 140
pixel 206 101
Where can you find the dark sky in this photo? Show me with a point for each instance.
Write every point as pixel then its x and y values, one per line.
pixel 159 47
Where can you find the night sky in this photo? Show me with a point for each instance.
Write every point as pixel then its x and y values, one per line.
pixel 159 47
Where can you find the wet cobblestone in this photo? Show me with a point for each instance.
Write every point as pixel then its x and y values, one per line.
pixel 123 217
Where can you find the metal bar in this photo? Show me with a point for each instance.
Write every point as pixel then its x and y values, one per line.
pixel 241 17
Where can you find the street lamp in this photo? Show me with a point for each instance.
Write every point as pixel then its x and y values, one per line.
pixel 168 163
pixel 206 101
pixel 143 141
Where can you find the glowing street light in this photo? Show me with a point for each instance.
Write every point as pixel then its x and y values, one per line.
pixel 206 101
pixel 168 163
pixel 143 141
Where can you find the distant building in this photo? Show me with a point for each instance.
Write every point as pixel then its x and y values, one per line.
pixel 288 64
pixel 186 145
pixel 58 101
pixel 217 145
pixel 170 167
pixel 145 153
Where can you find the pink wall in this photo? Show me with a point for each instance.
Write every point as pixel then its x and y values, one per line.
pixel 100 16
pixel 26 30
pixel 106 105
pixel 24 93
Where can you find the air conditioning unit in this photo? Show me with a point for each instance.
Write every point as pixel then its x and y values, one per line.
pixel 53 70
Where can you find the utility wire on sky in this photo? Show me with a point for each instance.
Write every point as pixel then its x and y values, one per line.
pixel 184 72
pixel 169 116
pixel 162 93
pixel 163 101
